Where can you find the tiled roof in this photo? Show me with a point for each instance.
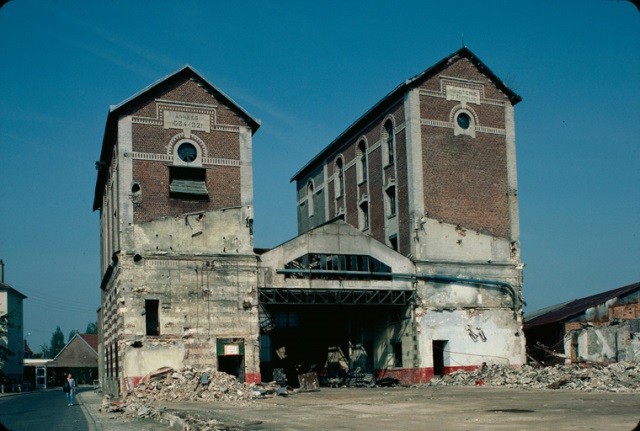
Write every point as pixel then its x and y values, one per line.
pixel 91 339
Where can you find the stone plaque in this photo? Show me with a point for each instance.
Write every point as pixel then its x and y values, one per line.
pixel 187 120
pixel 231 350
pixel 462 94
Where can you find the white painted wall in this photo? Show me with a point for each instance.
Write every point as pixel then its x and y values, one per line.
pixel 500 346
pixel 444 241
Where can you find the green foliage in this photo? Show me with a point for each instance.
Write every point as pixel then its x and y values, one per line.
pixel 57 343
pixel 4 330
pixel 72 334
pixel 92 328
pixel 44 352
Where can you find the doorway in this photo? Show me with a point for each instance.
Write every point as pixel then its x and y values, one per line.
pixel 439 348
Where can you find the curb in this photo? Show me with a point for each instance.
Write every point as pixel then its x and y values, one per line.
pixel 94 425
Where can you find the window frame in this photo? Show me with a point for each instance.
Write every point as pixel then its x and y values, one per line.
pixel 340 188
pixel 390 142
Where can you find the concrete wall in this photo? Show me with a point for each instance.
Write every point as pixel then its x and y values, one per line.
pixel 191 254
pixel 473 336
pixel 603 344
pixel 340 238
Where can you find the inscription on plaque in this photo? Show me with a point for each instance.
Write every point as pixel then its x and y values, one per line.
pixel 462 94
pixel 187 120
pixel 231 350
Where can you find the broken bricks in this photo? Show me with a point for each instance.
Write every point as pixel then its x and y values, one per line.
pixel 618 377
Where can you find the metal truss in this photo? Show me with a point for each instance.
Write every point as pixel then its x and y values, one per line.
pixel 284 296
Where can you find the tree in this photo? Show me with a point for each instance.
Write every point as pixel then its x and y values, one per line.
pixel 72 334
pixel 4 330
pixel 57 342
pixel 92 328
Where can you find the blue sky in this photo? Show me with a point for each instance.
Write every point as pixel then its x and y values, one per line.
pixel 307 70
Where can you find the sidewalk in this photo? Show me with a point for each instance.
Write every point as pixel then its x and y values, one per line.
pixel 91 401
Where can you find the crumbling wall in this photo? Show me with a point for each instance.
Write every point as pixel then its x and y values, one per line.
pixel 473 337
pixel 200 301
pixel 197 233
pixel 602 344
pixel 446 241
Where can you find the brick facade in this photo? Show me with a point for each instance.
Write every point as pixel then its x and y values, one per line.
pixel 179 273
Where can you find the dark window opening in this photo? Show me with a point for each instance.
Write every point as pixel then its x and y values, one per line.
pixel 391 199
pixel 464 120
pixel 393 242
pixel 117 361
pixel 151 313
pixel 388 128
pixel 187 152
pixel 363 161
pixel 310 207
pixel 188 183
pixel 321 266
pixel 396 347
pixel 340 167
pixel 364 208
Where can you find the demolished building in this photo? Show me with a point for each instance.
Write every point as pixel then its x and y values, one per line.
pixel 600 328
pixel 407 263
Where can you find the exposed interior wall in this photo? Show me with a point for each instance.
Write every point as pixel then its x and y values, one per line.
pixel 446 241
pixel 602 344
pixel 473 337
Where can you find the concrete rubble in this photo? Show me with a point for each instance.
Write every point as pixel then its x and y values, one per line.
pixel 617 377
pixel 188 384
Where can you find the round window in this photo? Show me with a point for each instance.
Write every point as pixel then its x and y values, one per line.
pixel 187 152
pixel 464 120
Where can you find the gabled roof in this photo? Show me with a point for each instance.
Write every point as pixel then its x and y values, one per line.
pixel 91 340
pixel 115 111
pixel 566 310
pixel 4 286
pixel 87 340
pixel 399 91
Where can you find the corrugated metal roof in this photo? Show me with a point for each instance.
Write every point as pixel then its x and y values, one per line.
pixel 569 309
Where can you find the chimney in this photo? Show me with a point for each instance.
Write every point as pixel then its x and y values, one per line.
pixel 1 271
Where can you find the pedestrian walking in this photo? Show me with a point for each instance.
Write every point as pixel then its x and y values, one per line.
pixel 69 388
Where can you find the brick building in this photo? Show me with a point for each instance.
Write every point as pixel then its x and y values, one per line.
pixel 175 195
pixel 407 263
pixel 430 171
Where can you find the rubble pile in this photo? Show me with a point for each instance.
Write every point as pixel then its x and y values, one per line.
pixel 618 377
pixel 190 384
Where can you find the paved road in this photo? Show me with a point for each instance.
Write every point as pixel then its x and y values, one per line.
pixel 42 410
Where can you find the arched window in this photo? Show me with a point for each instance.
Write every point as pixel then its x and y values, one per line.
pixel 364 215
pixel 310 199
pixel 362 150
pixel 391 200
pixel 340 179
pixel 390 138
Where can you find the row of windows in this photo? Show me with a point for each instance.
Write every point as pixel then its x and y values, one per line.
pixel 361 166
pixel 362 173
